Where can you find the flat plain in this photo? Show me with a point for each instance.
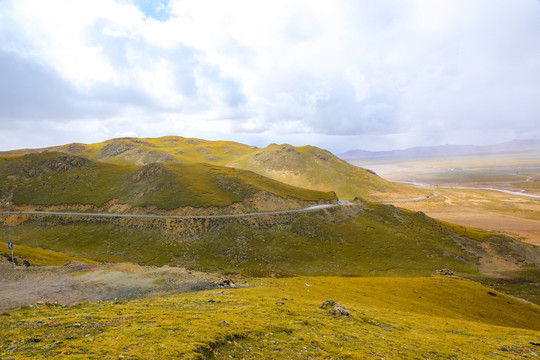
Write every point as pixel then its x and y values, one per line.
pixel 492 192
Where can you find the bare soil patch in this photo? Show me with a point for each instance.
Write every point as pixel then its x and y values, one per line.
pixel 522 229
pixel 77 282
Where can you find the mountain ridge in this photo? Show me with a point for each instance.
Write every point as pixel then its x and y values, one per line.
pixel 57 179
pixel 303 166
pixel 514 146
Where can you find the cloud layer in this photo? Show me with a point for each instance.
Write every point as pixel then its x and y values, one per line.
pixel 340 74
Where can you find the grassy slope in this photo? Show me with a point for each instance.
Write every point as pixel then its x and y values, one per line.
pixel 40 256
pixel 51 179
pixel 305 166
pixel 377 240
pixel 147 150
pixel 314 168
pixel 414 318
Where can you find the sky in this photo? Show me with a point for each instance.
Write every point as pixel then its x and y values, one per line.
pixel 338 74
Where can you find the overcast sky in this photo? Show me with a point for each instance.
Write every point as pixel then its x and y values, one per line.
pixel 340 75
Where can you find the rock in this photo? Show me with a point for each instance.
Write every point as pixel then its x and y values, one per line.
pixel 148 171
pixel 19 261
pixel 34 339
pixel 224 323
pixel 115 148
pixel 65 163
pixel 54 323
pixel 226 283
pixel 74 148
pixel 444 272
pixel 335 308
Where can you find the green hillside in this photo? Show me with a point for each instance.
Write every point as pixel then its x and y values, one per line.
pixel 314 168
pixel 397 310
pixel 391 318
pixel 55 179
pixel 305 166
pixel 148 150
pixel 361 240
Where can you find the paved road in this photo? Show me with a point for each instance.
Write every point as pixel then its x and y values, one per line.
pixel 309 208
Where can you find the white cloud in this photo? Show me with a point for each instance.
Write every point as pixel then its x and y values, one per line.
pixel 336 72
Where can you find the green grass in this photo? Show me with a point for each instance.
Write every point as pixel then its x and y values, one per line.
pixel 97 239
pixel 34 179
pixel 524 284
pixel 363 240
pixel 394 318
pixel 303 166
pixel 314 168
pixel 378 241
pixel 37 256
pixel 149 150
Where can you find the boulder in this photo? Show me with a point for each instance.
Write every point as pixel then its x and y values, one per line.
pixel 444 272
pixel 226 283
pixel 335 308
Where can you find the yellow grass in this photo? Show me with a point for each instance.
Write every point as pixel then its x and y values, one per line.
pixel 392 318
pixel 41 256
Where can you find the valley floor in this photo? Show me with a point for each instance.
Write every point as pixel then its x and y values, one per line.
pixel 512 215
pixel 513 210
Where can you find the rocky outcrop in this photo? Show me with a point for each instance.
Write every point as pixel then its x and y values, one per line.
pixel 74 148
pixel 115 148
pixel 443 272
pixel 148 171
pixel 335 309
pixel 66 162
pixel 53 165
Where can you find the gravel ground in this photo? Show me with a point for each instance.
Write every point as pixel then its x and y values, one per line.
pixel 77 282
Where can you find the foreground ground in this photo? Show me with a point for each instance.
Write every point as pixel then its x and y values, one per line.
pixel 391 318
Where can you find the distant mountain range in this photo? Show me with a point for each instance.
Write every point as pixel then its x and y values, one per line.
pixel 514 146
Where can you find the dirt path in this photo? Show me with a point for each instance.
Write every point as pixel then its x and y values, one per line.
pixel 79 282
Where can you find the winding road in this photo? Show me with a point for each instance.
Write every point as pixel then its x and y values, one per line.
pixel 307 209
